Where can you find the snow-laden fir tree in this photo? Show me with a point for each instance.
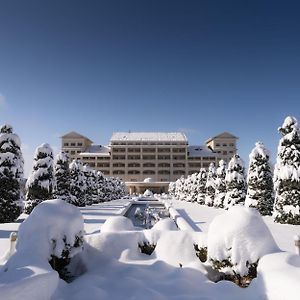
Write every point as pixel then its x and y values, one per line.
pixel 95 196
pixel 179 188
pixel 287 174
pixel 259 180
pixel 210 185
pixel 62 177
pixel 235 183
pixel 78 184
pixel 201 187
pixel 220 184
pixel 40 183
pixel 187 188
pixel 89 181
pixel 101 186
pixel 11 175
pixel 194 187
pixel 172 188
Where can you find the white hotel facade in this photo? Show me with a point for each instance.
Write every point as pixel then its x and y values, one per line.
pixel 135 157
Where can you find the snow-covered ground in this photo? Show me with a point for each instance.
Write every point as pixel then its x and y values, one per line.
pixel 114 268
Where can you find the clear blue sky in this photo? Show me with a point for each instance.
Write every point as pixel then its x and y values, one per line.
pixel 101 66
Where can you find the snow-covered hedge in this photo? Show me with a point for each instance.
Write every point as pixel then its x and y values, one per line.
pixel 54 229
pixel 237 240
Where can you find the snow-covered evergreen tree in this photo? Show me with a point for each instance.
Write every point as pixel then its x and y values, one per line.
pixel 210 185
pixel 11 175
pixel 187 188
pixel 179 188
pixel 89 181
pixel 201 189
pixel 220 184
pixel 95 196
pixel 194 187
pixel 235 183
pixel 78 184
pixel 101 186
pixel 287 174
pixel 172 188
pixel 41 181
pixel 259 180
pixel 62 177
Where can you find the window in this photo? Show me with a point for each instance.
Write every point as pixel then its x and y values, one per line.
pixel 133 172
pixel 179 157
pixel 149 172
pixel 149 165
pixel 78 151
pixel 102 165
pixel 164 165
pixel 148 150
pixel 149 157
pixel 79 144
pixel 91 164
pixel 224 152
pixel 133 157
pixel 165 172
pixel 231 145
pixel 118 165
pixel 164 157
pixel 133 165
pixel 73 144
pixel 116 172
pixel 164 150
pixel 218 145
pixel 66 144
pixel 178 165
pixel 72 152
pixel 179 172
pixel 224 145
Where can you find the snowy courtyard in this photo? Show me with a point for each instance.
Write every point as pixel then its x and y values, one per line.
pixel 111 265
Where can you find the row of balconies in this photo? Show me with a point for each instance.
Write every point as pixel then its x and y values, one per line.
pixel 148 172
pixel 148 150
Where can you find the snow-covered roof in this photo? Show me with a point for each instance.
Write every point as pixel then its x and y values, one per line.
pixel 74 134
pixel 96 150
pixel 149 136
pixel 200 151
pixel 222 135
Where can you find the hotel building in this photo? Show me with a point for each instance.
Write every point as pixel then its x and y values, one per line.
pixel 161 156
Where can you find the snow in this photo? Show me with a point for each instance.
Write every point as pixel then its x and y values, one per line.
pixel 148 136
pixel 241 236
pixel 114 267
pixel 117 224
pixel 279 273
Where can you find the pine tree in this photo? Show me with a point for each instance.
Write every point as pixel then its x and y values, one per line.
pixel 287 174
pixel 95 197
pixel 41 181
pixel 89 181
pixel 235 183
pixel 210 185
pixel 201 190
pixel 220 184
pixel 11 174
pixel 101 186
pixel 194 187
pixel 260 184
pixel 62 177
pixel 78 184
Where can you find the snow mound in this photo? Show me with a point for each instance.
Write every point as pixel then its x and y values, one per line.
pixel 52 225
pixel 148 179
pixel 148 193
pixel 165 224
pixel 241 237
pixel 117 224
pixel 279 273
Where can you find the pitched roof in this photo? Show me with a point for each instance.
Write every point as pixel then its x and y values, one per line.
pixel 224 134
pixel 201 151
pixel 149 136
pixel 74 134
pixel 96 150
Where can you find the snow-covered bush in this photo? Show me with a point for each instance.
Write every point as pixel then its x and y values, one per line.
pixel 78 183
pixel 287 174
pixel 11 174
pixel 260 184
pixel 210 185
pixel 41 181
pixel 235 183
pixel 53 233
pixel 237 240
pixel 62 177
pixel 117 224
pixel 220 185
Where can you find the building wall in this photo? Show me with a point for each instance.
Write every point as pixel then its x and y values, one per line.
pixel 135 161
